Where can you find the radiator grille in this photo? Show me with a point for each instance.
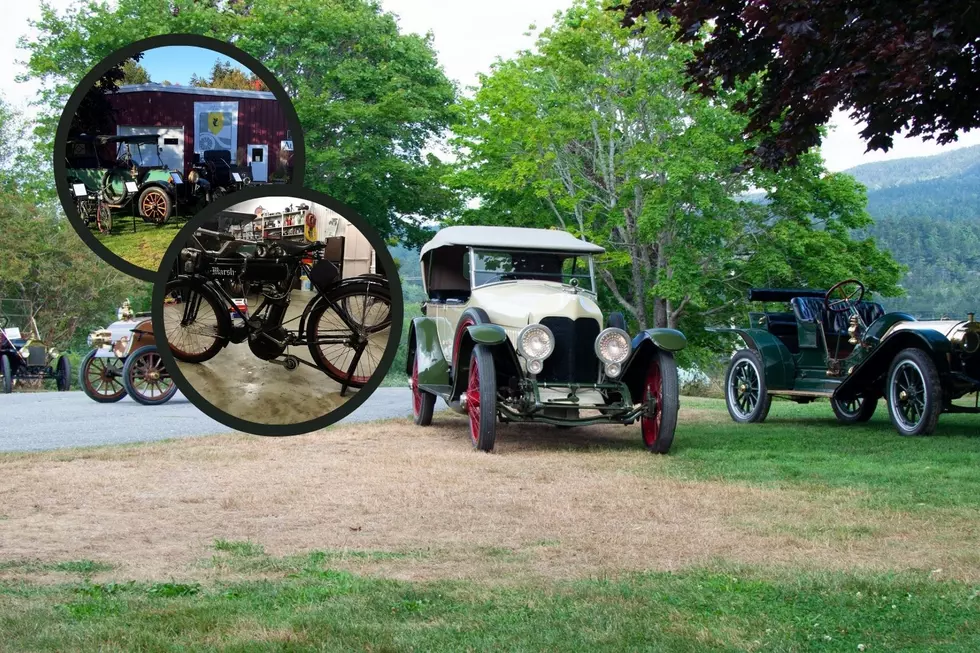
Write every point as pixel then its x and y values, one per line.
pixel 574 359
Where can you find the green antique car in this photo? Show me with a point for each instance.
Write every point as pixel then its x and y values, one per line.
pixel 511 331
pixel 119 170
pixel 832 344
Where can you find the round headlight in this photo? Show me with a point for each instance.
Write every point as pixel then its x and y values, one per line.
pixel 971 342
pixel 535 366
pixel 613 346
pixel 613 370
pixel 535 342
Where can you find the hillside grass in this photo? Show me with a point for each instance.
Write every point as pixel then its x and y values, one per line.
pixel 146 246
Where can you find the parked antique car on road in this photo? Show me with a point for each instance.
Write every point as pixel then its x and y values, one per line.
pixel 29 359
pixel 124 360
pixel 835 345
pixel 511 330
pixel 132 175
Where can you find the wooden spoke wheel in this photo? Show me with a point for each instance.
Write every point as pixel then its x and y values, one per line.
pixel 101 378
pixel 660 403
pixel 145 378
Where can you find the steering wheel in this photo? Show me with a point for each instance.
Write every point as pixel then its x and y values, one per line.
pixel 850 292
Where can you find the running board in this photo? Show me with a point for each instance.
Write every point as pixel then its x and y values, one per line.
pixel 800 393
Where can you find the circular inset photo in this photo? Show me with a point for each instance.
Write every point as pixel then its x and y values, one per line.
pixel 161 129
pixel 277 314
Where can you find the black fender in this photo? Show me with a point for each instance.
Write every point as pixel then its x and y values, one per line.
pixel 369 279
pixel 777 360
pixel 206 288
pixel 646 345
pixel 433 368
pixel 870 373
pixel 468 334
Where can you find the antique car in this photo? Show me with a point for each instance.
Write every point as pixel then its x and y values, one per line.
pixel 29 359
pixel 832 344
pixel 511 330
pixel 214 174
pixel 124 360
pixel 120 170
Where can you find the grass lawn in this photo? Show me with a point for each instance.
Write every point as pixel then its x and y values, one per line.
pixel 306 606
pixel 798 534
pixel 146 246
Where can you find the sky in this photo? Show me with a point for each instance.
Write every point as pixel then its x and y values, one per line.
pixel 176 63
pixel 469 37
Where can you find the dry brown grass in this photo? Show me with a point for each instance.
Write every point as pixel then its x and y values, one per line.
pixel 549 503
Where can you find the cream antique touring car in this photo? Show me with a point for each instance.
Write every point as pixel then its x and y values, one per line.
pixel 511 330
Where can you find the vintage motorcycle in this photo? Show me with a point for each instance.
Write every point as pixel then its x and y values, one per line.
pixel 345 326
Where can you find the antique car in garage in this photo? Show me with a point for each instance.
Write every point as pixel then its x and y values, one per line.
pixel 832 344
pixel 124 361
pixel 119 171
pixel 511 331
pixel 27 358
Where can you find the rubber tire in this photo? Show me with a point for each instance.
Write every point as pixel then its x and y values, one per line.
pixel 761 410
pixel 63 374
pixel 616 320
pixel 168 203
pixel 8 375
pixel 380 290
pixel 131 361
pixel 423 403
pixel 94 396
pixel 933 388
pixel 224 324
pixel 863 414
pixel 670 403
pixel 487 379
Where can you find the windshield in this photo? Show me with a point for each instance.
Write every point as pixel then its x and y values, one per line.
pixel 494 266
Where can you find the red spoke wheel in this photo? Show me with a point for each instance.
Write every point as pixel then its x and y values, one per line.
pixel 154 205
pixel 423 403
pixel 481 398
pixel 145 378
pixel 101 378
pixel 660 403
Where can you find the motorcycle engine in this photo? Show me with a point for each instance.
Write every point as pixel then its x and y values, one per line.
pixel 265 348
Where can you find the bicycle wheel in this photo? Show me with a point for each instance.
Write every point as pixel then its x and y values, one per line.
pixel 196 323
pixel 351 355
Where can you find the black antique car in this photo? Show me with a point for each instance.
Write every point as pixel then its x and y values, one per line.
pixel 832 344
pixel 29 359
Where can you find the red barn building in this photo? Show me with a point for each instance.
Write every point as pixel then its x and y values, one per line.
pixel 249 124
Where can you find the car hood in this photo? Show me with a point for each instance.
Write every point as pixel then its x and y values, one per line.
pixel 945 327
pixel 519 303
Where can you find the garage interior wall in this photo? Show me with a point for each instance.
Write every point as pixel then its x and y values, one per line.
pixel 359 255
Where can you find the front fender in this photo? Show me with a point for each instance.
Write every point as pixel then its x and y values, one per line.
pixel 646 344
pixel 487 334
pixel 780 370
pixel 668 339
pixel 423 343
pixel 870 372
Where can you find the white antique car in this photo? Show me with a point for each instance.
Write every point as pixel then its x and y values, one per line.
pixel 124 360
pixel 511 330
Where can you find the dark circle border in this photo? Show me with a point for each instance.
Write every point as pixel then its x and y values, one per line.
pixel 164 40
pixel 382 255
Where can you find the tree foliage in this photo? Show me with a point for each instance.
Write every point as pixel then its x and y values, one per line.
pixel 893 66
pixel 134 73
pixel 593 132
pixel 226 75
pixel 371 100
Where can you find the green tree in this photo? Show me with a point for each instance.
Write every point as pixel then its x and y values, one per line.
pixel 226 75
pixel 134 73
pixel 372 101
pixel 593 132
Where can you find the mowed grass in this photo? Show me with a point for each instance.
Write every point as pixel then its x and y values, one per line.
pixel 146 246
pixel 804 446
pixel 306 606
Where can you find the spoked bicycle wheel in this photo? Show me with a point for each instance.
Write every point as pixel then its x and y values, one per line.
pixel 351 356
pixel 196 324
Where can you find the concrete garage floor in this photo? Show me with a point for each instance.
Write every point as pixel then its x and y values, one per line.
pixel 243 385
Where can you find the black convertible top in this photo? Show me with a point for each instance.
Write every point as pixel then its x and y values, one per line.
pixel 782 294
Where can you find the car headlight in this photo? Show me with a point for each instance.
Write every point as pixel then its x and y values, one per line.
pixel 967 338
pixel 88 340
pixel 613 346
pixel 535 342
